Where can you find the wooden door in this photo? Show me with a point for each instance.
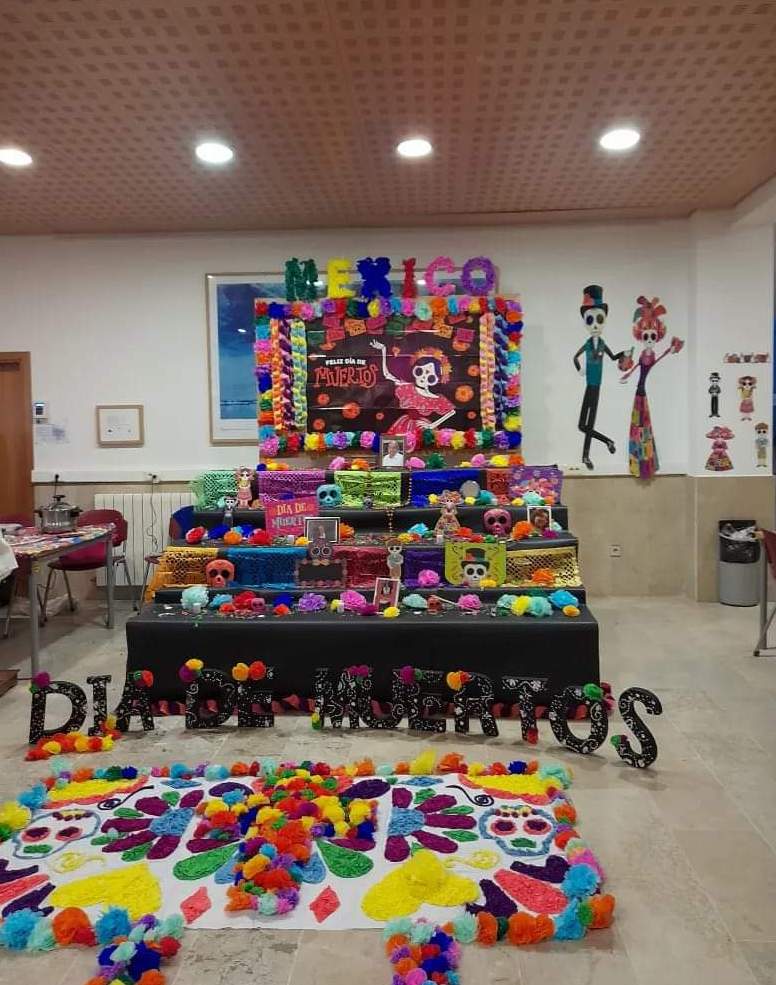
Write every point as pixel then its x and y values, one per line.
pixel 15 434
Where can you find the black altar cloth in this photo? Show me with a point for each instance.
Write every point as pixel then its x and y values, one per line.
pixel 564 650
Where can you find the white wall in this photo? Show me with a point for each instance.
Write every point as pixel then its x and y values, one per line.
pixel 122 320
pixel 733 286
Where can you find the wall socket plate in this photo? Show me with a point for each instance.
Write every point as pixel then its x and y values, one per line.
pixel 615 550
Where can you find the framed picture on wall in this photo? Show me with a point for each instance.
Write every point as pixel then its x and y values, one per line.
pixel 120 425
pixel 230 333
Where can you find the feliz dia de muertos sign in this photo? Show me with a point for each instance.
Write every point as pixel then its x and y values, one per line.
pixel 477 278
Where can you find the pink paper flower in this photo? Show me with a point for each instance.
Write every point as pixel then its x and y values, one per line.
pixel 353 601
pixel 428 578
pixel 469 603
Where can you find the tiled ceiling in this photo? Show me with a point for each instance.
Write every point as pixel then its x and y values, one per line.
pixel 110 96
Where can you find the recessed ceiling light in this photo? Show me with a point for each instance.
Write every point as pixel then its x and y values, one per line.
pixel 212 152
pixel 416 147
pixel 15 157
pixel 622 138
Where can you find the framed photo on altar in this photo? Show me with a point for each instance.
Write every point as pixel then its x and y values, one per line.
pixel 386 592
pixel 392 451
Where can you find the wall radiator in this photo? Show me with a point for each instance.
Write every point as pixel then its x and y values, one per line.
pixel 148 522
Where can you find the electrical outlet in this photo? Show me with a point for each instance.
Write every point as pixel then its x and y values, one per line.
pixel 153 477
pixel 615 550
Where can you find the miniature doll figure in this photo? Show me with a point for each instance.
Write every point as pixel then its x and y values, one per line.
pixel 395 561
pixel 448 519
pixel 229 504
pixel 244 477
pixel 761 444
pixel 714 392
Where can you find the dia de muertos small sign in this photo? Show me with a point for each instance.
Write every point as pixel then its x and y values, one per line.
pixel 287 516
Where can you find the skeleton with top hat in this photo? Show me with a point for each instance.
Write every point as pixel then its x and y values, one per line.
pixel 594 312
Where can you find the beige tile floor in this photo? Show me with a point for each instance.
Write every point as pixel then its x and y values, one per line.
pixel 689 846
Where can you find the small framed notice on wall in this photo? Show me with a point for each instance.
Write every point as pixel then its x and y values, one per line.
pixel 120 425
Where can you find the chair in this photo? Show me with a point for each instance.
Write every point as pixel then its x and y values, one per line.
pixel 768 540
pixel 93 557
pixel 9 583
pixel 181 522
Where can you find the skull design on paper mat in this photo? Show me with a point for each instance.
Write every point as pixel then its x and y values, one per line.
pixel 50 832
pixel 329 495
pixel 219 573
pixel 519 829
pixel 497 522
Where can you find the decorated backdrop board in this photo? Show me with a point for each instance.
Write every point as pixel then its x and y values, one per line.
pixel 443 372
pixel 394 374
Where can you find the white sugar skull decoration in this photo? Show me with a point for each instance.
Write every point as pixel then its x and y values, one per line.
pixel 497 522
pixel 50 832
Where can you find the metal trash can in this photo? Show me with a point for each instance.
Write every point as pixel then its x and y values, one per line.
pixel 739 569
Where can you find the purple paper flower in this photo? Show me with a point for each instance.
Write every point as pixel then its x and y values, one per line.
pixel 340 439
pixel 436 811
pixel 311 602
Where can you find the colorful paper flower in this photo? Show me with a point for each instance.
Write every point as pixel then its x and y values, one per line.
pixel 430 810
pixel 153 828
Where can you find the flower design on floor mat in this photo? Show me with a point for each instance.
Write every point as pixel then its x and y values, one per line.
pixel 151 829
pixel 411 817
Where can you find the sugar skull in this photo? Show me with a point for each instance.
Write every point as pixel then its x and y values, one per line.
pixel 474 567
pixel 521 830
pixel 329 495
pixel 219 573
pixel 258 606
pixel 50 832
pixel 497 522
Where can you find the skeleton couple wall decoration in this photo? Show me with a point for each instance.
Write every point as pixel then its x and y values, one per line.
pixel 648 328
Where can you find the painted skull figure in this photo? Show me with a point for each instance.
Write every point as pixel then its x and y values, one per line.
pixel 395 560
pixel 522 830
pixel 219 573
pixel 497 522
pixel 474 567
pixel 52 831
pixel 230 502
pixel 329 495
pixel 425 375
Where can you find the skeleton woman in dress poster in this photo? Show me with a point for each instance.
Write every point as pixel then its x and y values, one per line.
pixel 422 407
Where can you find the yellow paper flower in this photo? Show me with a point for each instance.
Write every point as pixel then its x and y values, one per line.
pixel 469 500
pixel 391 612
pixel 302 541
pixel 518 501
pixel 570 610
pixel 488 583
pixel 422 879
pixel 15 816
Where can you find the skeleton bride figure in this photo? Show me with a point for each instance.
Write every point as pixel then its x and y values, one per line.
pixel 420 404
